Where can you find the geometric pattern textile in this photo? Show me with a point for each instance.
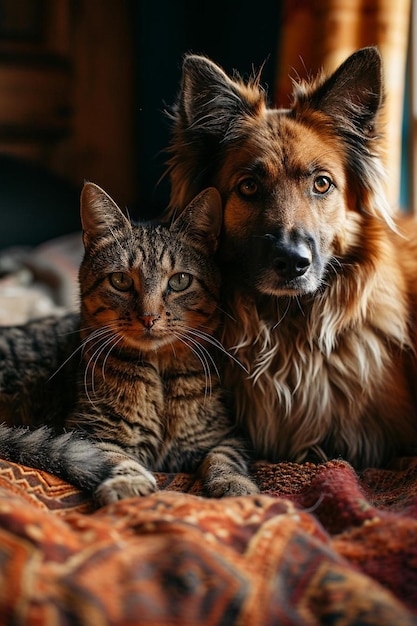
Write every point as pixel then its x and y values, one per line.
pixel 320 545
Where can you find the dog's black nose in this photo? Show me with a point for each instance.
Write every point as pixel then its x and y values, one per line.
pixel 291 259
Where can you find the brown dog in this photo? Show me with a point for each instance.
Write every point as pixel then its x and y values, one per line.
pixel 320 279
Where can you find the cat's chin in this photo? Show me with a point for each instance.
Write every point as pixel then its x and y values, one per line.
pixel 148 345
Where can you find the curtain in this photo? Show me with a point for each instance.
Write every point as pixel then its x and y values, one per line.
pixel 322 33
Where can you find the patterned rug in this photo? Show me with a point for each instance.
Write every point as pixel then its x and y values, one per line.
pixel 321 545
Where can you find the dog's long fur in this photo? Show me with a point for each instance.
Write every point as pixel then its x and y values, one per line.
pixel 320 277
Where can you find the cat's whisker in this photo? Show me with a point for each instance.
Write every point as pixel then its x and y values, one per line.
pixel 217 344
pixel 68 333
pixel 78 349
pixel 96 339
pixel 172 344
pixel 111 341
pixel 96 336
pixel 227 313
pixel 81 347
pixel 92 362
pixel 75 331
pixel 117 341
pixel 199 352
pixel 204 350
pixel 112 324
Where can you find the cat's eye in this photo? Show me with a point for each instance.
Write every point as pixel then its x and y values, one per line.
pixel 322 184
pixel 248 187
pixel 121 281
pixel 180 281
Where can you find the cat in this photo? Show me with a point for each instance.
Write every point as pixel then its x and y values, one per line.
pixel 132 377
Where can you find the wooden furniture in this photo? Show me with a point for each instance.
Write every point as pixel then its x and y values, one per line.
pixel 66 89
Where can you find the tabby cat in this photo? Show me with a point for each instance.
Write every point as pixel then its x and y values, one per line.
pixel 133 377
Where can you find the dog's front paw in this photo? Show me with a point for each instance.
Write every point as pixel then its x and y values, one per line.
pixel 235 485
pixel 127 480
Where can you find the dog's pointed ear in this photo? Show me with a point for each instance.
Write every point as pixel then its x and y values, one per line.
pixel 202 220
pixel 208 98
pixel 354 90
pixel 100 215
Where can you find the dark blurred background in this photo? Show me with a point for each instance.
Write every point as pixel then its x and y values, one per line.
pixel 237 35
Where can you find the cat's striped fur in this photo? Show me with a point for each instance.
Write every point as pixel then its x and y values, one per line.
pixel 147 394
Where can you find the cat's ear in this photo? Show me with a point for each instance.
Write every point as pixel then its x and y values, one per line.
pixel 202 220
pixel 99 213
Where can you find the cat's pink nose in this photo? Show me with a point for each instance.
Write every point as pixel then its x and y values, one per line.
pixel 148 320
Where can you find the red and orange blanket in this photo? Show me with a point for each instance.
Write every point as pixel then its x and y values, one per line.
pixel 320 545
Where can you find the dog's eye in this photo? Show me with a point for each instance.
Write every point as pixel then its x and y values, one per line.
pixel 322 184
pixel 248 187
pixel 121 281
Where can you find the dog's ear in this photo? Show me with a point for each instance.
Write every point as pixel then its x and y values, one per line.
pixel 205 116
pixel 202 220
pixel 353 91
pixel 209 99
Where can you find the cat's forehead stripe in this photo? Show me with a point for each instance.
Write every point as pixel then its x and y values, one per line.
pixel 152 249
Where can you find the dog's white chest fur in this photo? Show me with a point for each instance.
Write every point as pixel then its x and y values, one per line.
pixel 308 387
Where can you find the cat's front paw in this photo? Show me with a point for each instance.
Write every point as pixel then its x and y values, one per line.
pixel 127 480
pixel 235 485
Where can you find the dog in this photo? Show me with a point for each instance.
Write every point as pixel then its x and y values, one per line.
pixel 320 276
